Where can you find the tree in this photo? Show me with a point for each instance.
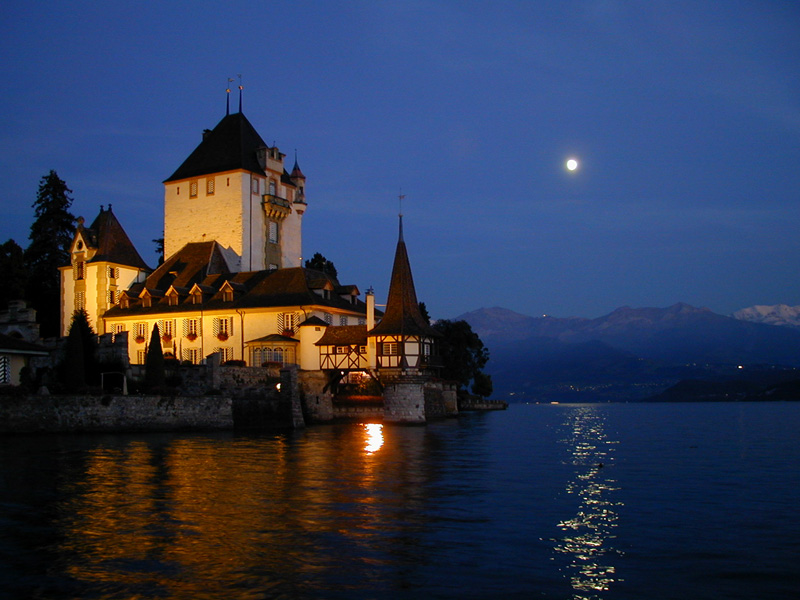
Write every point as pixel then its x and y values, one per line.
pixel 51 235
pixel 463 354
pixel 13 273
pixel 482 385
pixel 320 263
pixel 154 371
pixel 79 367
pixel 423 310
pixel 159 242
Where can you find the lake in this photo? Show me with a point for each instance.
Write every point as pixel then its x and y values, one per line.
pixel 606 501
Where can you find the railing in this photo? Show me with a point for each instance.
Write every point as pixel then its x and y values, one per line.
pixel 276 201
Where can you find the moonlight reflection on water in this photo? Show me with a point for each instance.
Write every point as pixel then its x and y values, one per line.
pixel 588 536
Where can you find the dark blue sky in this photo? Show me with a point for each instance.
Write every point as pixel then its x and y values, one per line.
pixel 685 117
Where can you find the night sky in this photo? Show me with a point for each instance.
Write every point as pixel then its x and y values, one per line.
pixel 684 117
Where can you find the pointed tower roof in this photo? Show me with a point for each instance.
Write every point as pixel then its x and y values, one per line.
pixel 296 172
pixel 112 243
pixel 231 145
pixel 402 316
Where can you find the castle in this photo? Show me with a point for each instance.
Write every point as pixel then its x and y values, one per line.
pixel 233 284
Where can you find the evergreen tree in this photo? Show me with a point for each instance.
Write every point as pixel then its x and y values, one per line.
pixel 79 367
pixel 154 371
pixel 320 263
pixel 423 310
pixel 13 273
pixel 51 235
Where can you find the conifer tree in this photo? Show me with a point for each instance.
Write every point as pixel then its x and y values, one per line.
pixel 51 235
pixel 13 273
pixel 154 370
pixel 79 367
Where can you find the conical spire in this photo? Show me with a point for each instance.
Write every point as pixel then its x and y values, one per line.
pixel 402 316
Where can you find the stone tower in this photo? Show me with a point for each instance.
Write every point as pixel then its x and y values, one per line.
pixel 235 190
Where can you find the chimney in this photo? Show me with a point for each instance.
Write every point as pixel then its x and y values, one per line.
pixel 370 309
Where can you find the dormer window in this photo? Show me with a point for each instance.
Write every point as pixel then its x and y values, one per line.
pixel 147 301
pixel 124 301
pixel 197 298
pixel 227 295
pixel 172 300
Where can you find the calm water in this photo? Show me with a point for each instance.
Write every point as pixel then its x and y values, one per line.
pixel 618 501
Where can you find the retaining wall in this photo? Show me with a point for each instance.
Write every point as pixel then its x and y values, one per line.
pixel 114 413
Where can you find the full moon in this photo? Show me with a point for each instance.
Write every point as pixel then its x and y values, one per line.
pixel 572 164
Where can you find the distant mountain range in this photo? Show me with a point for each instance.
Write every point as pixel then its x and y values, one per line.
pixel 631 352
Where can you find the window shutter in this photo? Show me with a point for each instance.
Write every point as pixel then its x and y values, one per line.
pixel 185 327
pixel 215 331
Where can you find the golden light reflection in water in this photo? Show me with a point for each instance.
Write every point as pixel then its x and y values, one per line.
pixel 588 536
pixel 374 437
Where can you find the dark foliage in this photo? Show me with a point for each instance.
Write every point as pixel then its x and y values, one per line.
pixel 51 235
pixel 320 263
pixel 154 371
pixel 463 354
pixel 79 367
pixel 423 310
pixel 13 273
pixel 159 242
pixel 482 384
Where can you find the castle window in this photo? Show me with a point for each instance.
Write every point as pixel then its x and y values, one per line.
pixel 288 322
pixel 193 189
pixel 254 185
pixel 80 301
pixel 272 235
pixel 178 190
pixel 362 349
pixel 271 188
pixel 362 321
pixel 225 354
pixel 328 318
pixel 191 355
pixel 389 348
pixel 191 328
pixel 342 320
pixel 210 186
pixel 113 272
pixel 341 349
pixel 273 267
pixel 79 270
pixel 140 357
pixel 141 330
pixel 113 296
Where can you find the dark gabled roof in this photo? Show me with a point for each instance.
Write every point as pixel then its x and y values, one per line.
pixel 255 289
pixel 230 146
pixel 191 264
pixel 344 335
pixel 12 345
pixel 112 243
pixel 402 316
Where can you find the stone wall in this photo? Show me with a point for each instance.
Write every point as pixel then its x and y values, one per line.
pixel 404 400
pixel 114 413
pixel 316 401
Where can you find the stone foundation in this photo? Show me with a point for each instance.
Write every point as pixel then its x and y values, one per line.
pixel 31 414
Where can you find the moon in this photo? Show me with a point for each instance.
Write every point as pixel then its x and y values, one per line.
pixel 572 164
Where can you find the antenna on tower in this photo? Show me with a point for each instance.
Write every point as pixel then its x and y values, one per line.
pixel 228 98
pixel 400 198
pixel 241 87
